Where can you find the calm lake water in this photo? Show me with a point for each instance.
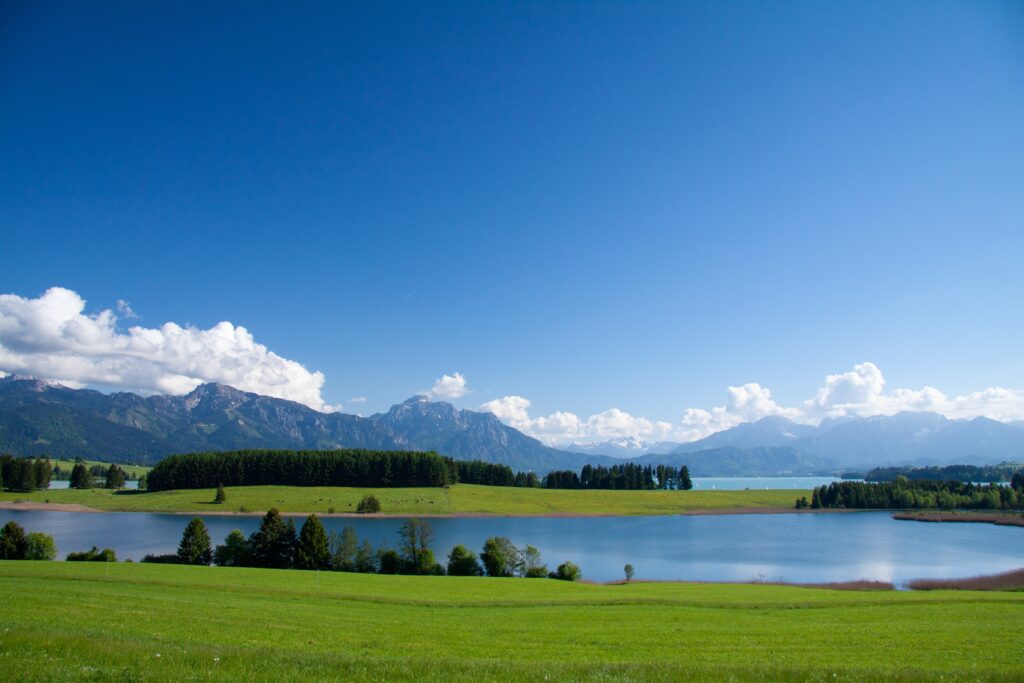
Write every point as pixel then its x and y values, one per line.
pixel 740 483
pixel 780 547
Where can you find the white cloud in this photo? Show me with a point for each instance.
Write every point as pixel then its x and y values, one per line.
pixel 125 309
pixel 562 427
pixel 859 392
pixel 449 386
pixel 357 399
pixel 52 337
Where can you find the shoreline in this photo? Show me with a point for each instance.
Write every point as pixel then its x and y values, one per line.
pixel 74 507
pixel 962 517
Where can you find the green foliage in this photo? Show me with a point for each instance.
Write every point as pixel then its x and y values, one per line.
pixel 273 545
pixel 802 503
pixel 343 549
pixel 904 493
pixel 13 543
pixel 463 562
pixel 311 551
pixel 195 544
pixel 115 477
pixel 40 546
pixel 81 477
pixel 389 561
pixel 368 505
pixel 93 555
pixel 1002 472
pixel 568 571
pixel 221 496
pixel 415 536
pixel 531 566
pixel 500 557
pixel 347 467
pixel 628 569
pixel 236 551
pixel 24 474
pixel 366 559
pixel 625 477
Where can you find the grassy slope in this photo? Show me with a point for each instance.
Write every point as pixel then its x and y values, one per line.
pixel 99 621
pixel 458 499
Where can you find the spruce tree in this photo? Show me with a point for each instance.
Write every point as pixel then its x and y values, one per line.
pixel 685 483
pixel 195 544
pixel 311 551
pixel 221 496
pixel 115 477
pixel 274 544
pixel 81 478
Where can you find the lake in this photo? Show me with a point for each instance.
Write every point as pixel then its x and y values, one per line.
pixel 814 548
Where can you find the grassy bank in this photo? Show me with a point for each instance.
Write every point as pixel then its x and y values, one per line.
pixel 66 621
pixel 1004 518
pixel 463 499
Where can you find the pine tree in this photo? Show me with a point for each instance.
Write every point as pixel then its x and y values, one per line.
pixel 221 496
pixel 311 551
pixel 195 544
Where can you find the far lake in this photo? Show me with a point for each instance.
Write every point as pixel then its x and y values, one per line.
pixel 819 547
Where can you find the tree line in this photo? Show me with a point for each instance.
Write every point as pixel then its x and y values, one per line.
pixel 1002 472
pixel 278 545
pixel 15 544
pixel 24 474
pixel 905 493
pixel 343 467
pixel 627 476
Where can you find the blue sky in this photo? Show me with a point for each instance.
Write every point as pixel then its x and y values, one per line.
pixel 589 205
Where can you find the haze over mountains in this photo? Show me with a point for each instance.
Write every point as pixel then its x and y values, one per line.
pixel 41 418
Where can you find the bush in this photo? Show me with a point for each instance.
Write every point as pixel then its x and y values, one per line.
pixel 93 555
pixel 463 562
pixel 40 547
pixel 500 557
pixel 13 542
pixel 368 505
pixel 389 561
pixel 568 571
pixel 171 558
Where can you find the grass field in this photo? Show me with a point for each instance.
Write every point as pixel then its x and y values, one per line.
pixel 458 499
pixel 133 471
pixel 92 621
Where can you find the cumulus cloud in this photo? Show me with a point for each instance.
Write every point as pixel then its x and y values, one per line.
pixel 563 427
pixel 449 386
pixel 52 337
pixel 860 392
pixel 125 309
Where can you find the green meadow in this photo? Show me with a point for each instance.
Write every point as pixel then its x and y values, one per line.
pixel 466 499
pixel 122 621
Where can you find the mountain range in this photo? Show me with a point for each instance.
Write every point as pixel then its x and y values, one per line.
pixel 43 418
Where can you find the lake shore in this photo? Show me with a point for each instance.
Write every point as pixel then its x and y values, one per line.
pixel 1003 519
pixel 73 507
